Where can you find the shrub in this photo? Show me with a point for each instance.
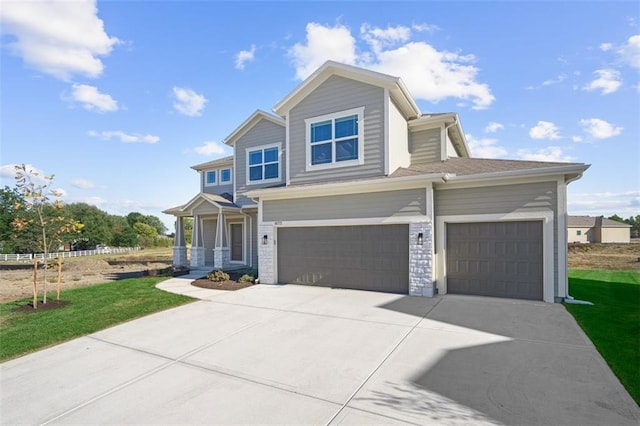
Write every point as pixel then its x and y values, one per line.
pixel 246 278
pixel 218 276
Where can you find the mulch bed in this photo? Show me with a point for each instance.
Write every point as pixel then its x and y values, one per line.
pixel 231 284
pixel 51 304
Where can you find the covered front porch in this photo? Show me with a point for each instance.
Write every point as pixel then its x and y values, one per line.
pixel 221 234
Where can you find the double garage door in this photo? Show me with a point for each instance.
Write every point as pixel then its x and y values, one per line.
pixel 500 259
pixel 372 257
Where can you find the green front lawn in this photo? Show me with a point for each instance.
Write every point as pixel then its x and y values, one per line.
pixel 613 323
pixel 89 309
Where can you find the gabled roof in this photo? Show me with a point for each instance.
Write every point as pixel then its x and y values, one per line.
pixel 451 120
pixel 590 222
pixel 461 167
pixel 214 163
pixel 250 122
pixel 397 89
pixel 218 201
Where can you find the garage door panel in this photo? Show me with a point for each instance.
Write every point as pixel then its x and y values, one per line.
pixel 495 259
pixel 358 257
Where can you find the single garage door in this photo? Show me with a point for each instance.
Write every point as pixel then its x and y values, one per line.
pixel 356 257
pixel 500 259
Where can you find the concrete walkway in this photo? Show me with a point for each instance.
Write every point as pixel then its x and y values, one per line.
pixel 182 285
pixel 306 355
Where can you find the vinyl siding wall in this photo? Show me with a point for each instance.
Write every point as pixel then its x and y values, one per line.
pixel 425 146
pixel 540 196
pixel 335 95
pixel 263 133
pixel 218 189
pixel 409 202
pixel 398 139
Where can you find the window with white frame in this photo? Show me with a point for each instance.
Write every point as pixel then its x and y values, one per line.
pixel 211 178
pixel 263 164
pixel 225 176
pixel 335 140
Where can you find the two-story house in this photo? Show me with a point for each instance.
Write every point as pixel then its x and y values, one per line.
pixel 349 185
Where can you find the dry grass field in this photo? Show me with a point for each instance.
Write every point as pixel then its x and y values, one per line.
pixel 16 277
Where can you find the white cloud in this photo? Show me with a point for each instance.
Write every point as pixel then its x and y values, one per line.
pixel 95 200
pixel 551 153
pixel 58 192
pixel 92 99
pixel 493 127
pixel 430 74
pixel 210 148
pixel 323 43
pixel 605 47
pixel 630 52
pixel 82 183
pixel 59 38
pixel 485 147
pixel 124 137
pixel 624 203
pixel 8 171
pixel 544 130
pixel 430 28
pixel 600 129
pixel 188 102
pixel 576 138
pixel 245 56
pixel 608 81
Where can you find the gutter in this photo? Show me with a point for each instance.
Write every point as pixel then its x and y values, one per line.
pixel 518 173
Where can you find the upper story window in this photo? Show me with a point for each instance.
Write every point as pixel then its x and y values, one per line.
pixel 211 178
pixel 263 164
pixel 335 140
pixel 225 176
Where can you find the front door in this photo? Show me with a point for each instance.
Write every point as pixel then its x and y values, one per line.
pixel 236 242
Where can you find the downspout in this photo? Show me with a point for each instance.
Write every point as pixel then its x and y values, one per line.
pixel 570 299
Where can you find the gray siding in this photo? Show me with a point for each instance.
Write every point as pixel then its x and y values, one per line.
pixel 335 95
pixel 263 133
pixel 425 146
pixel 409 202
pixel 219 189
pixel 540 196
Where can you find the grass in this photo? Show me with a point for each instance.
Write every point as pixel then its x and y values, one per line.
pixel 89 309
pixel 613 323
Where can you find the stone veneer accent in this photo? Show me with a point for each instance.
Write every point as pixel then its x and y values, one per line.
pixel 420 260
pixel 180 256
pixel 266 255
pixel 197 257
pixel 221 257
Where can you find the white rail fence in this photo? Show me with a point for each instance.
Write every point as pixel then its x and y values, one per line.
pixel 64 254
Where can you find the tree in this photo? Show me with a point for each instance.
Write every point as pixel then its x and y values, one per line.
pixel 147 234
pixel 10 198
pixel 122 235
pixel 44 216
pixel 97 227
pixel 187 222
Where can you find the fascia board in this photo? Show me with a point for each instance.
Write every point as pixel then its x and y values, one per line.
pixel 339 188
pixel 425 122
pixel 514 174
pixel 248 124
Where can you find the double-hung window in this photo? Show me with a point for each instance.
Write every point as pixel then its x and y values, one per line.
pixel 210 178
pixel 225 176
pixel 263 164
pixel 335 140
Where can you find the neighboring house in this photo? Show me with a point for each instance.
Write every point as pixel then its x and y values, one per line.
pixel 587 229
pixel 349 185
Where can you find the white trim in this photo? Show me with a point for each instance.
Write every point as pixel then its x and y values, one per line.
pixel 387 131
pixel 331 117
pixel 287 145
pixel 443 142
pixel 563 282
pixel 401 220
pixel 206 178
pixel 547 218
pixel 543 171
pixel 228 182
pixel 263 147
pixel 451 183
pixel 235 197
pixel 249 123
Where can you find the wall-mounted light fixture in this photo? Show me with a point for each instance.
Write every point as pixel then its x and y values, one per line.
pixel 420 238
pixel 265 240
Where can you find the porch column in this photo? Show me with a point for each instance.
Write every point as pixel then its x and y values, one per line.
pixel 221 251
pixel 179 245
pixel 197 244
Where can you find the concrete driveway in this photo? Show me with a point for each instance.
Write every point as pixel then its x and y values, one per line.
pixel 305 355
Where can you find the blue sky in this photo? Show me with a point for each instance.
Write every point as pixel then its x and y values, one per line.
pixel 120 98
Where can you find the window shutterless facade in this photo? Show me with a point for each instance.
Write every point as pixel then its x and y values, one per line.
pixel 335 140
pixel 263 164
pixel 211 178
pixel 225 176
